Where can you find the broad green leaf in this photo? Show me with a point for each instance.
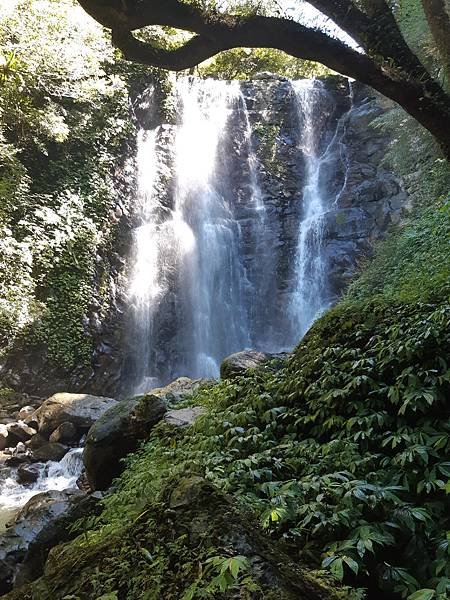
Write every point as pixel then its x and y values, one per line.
pixel 425 594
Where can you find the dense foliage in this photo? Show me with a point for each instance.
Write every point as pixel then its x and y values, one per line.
pixel 342 454
pixel 64 116
pixel 245 63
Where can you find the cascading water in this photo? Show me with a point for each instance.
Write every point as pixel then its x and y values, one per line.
pixel 311 294
pixel 190 250
pixel 146 280
pixel 212 280
pixel 203 267
pixel 59 476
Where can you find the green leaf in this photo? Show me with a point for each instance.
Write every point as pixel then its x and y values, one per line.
pixel 352 564
pixel 425 594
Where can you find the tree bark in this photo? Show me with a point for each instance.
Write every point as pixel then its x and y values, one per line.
pixel 438 18
pixel 388 65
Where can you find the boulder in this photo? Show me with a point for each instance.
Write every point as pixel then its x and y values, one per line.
pixel 19 432
pixel 31 421
pixel 3 436
pixel 181 388
pixel 64 433
pixel 116 434
pixel 197 515
pixel 50 451
pixel 82 410
pixel 25 412
pixel 37 441
pixel 41 524
pixel 183 417
pixel 17 459
pixel 238 363
pixel 27 474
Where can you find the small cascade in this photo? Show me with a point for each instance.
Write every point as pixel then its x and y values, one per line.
pixel 53 475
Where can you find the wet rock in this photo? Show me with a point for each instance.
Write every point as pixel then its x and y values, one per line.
pixel 183 417
pixel 17 459
pixel 20 432
pixel 82 410
pixel 238 363
pixel 3 436
pixel 83 483
pixel 116 434
pixel 50 451
pixel 37 441
pixel 25 412
pixel 27 474
pixel 66 433
pixel 31 421
pixel 41 524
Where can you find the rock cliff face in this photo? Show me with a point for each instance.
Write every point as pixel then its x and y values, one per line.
pixel 365 197
pixel 269 165
pixel 280 146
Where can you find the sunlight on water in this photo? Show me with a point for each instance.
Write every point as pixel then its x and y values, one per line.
pixel 203 264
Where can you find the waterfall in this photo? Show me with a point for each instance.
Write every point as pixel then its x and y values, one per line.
pixel 146 283
pixel 311 294
pixel 189 251
pixel 215 322
pixel 203 264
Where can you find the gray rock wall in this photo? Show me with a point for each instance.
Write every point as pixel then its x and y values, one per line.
pixel 367 199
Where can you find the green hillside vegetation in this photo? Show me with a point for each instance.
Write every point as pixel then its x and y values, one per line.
pixel 341 455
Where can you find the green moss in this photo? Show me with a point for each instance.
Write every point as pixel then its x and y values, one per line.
pixel 413 262
pixel 186 544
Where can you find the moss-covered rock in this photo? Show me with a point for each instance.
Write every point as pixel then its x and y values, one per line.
pixel 117 433
pixel 181 547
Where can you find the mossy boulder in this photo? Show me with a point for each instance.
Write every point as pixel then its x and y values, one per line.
pixel 117 433
pixel 181 388
pixel 164 553
pixel 240 362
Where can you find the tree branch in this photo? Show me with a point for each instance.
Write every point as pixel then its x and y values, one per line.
pixel 388 65
pixel 438 19
pixel 376 30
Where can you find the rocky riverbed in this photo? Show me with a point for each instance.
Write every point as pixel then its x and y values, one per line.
pixel 57 453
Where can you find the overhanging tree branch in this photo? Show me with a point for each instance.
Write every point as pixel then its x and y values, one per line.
pixel 387 63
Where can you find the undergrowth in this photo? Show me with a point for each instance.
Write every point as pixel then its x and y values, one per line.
pixel 343 453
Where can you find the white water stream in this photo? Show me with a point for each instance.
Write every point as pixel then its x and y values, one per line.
pixel 52 476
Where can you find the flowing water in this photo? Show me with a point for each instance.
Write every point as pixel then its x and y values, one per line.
pixel 310 292
pixel 311 295
pixel 203 271
pixel 212 276
pixel 52 476
pixel 191 252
